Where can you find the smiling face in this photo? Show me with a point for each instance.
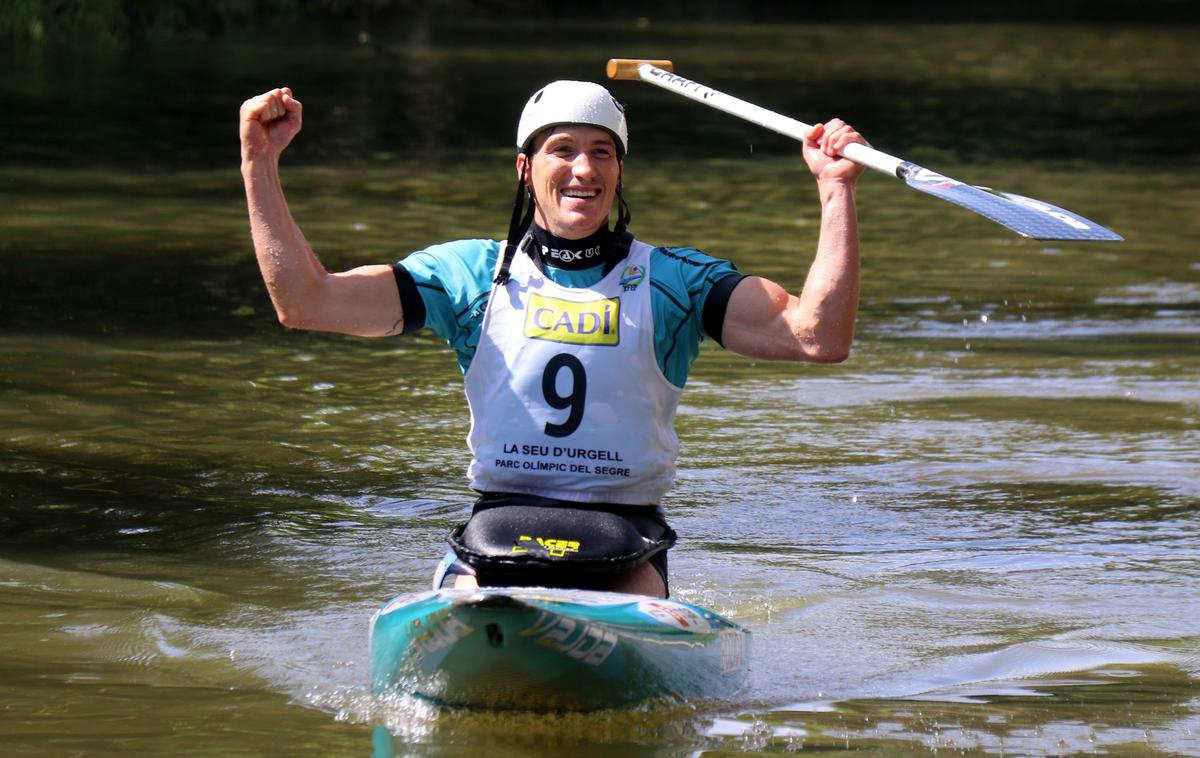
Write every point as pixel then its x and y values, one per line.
pixel 573 172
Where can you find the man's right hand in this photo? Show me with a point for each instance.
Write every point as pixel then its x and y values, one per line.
pixel 268 124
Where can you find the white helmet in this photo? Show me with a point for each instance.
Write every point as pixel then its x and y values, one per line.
pixel 568 102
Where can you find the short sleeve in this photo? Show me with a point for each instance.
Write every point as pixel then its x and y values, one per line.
pixel 453 281
pixel 681 280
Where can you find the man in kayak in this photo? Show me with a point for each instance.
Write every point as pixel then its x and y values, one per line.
pixel 575 339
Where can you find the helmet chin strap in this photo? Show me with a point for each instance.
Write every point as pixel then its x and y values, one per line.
pixel 522 217
pixel 624 215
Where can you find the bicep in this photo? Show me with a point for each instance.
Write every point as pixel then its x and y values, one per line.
pixel 363 301
pixel 759 322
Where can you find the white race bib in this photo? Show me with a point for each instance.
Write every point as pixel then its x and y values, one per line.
pixel 567 399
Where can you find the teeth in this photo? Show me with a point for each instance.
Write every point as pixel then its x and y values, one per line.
pixel 579 193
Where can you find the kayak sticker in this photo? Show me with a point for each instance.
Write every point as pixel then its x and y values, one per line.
pixel 589 643
pixel 674 614
pixel 438 630
pixel 734 652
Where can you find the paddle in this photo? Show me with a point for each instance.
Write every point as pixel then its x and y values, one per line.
pixel 1025 216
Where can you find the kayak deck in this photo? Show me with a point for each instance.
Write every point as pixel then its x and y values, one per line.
pixel 552 649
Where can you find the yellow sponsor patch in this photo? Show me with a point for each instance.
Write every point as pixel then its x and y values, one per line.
pixel 595 322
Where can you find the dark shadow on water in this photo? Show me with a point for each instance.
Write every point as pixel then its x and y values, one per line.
pixel 99 501
pixel 119 292
pixel 971 93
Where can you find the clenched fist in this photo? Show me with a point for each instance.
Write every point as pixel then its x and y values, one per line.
pixel 268 124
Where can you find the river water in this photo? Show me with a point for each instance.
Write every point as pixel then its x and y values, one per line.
pixel 978 535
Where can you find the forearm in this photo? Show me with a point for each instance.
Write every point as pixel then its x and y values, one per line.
pixel 828 304
pixel 289 267
pixel 762 319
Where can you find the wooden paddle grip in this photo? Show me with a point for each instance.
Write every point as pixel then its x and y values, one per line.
pixel 627 68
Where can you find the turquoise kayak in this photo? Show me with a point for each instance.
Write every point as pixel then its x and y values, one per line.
pixel 531 648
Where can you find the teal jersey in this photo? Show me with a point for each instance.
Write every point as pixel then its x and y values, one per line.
pixel 454 280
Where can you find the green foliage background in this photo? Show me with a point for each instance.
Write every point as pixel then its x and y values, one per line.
pixel 118 22
pixel 121 21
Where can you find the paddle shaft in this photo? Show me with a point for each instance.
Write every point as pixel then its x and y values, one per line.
pixel 1031 218
pixel 776 122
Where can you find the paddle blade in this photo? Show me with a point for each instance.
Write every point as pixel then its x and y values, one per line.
pixel 1025 216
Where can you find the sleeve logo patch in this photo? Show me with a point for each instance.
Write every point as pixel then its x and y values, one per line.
pixel 595 322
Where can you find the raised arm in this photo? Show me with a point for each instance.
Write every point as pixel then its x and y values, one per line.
pixel 363 301
pixel 762 319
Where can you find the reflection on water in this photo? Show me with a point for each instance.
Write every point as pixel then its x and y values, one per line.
pixel 979 534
